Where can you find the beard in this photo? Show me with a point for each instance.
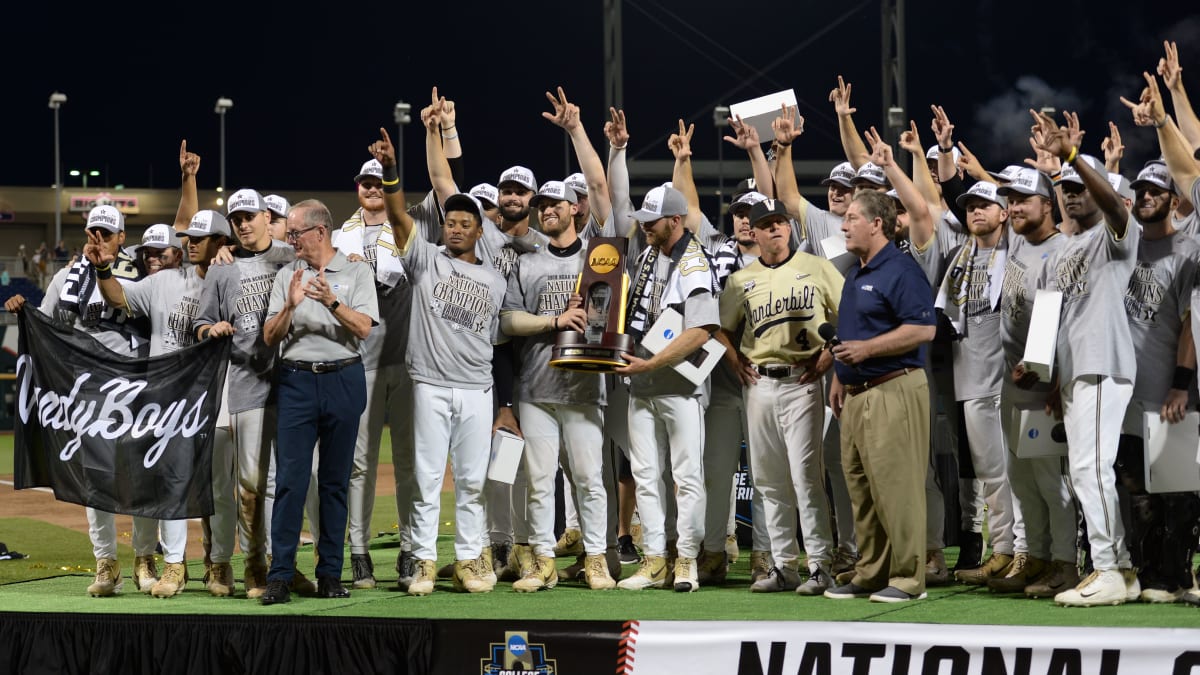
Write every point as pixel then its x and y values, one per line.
pixel 514 213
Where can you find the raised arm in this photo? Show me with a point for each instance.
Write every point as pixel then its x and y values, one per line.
pixel 911 141
pixel 617 134
pixel 852 145
pixel 393 192
pixel 189 198
pixel 435 153
pixel 110 288
pixel 788 127
pixel 920 220
pixel 1113 149
pixel 681 146
pixel 1064 143
pixel 746 138
pixel 1176 150
pixel 1172 75
pixel 566 115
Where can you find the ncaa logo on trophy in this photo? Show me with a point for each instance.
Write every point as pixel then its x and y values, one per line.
pixel 603 285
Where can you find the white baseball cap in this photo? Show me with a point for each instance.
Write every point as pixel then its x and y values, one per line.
pixel 370 169
pixel 661 202
pixel 578 183
pixel 485 192
pixel 870 173
pixel 1070 175
pixel 1154 173
pixel 1120 185
pixel 842 174
pixel 1008 173
pixel 105 217
pixel 934 152
pixel 982 190
pixel 278 206
pixel 519 175
pixel 554 190
pixel 1027 181
pixel 246 200
pixel 157 236
pixel 206 223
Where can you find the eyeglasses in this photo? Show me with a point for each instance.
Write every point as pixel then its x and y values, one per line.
pixel 294 235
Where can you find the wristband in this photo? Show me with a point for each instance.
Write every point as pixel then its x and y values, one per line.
pixel 334 305
pixel 1183 378
pixel 618 147
pixel 782 144
pixel 1163 123
pixel 1074 154
pixel 449 138
pixel 446 128
pixel 949 150
pixel 390 174
pixel 395 181
pixel 554 324
pixel 104 272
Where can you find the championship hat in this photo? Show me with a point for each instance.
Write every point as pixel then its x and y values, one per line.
pixel 370 169
pixel 661 202
pixel 519 175
pixel 982 190
pixel 206 223
pixel 105 217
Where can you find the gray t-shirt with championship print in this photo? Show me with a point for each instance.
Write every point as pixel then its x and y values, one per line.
pixel 240 293
pixel 542 283
pixel 1022 273
pixel 455 317
pixel 171 298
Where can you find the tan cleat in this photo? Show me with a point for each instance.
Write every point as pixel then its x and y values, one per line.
pixel 685 579
pixel 574 571
pixel 596 573
pixel 171 583
pixel 1102 587
pixel 254 579
pixel 302 585
pixel 760 565
pixel 108 578
pixel 145 573
pixel 543 575
pixel 446 571
pixel 995 566
pixel 936 573
pixel 520 561
pixel 487 565
pixel 651 574
pixel 711 567
pixel 467 577
pixel 1023 570
pixel 569 544
pixel 731 548
pixel 1059 576
pixel 424 575
pixel 220 580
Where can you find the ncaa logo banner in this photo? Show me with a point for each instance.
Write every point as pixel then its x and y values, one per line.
pixel 118 434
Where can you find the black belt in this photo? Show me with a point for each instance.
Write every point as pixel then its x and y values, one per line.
pixel 856 389
pixel 320 366
pixel 779 371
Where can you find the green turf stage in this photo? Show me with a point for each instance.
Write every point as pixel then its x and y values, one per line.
pixel 55 578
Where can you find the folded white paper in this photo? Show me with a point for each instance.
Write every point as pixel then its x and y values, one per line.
pixel 696 366
pixel 760 112
pixel 506 456
pixel 1037 438
pixel 1043 334
pixel 1171 453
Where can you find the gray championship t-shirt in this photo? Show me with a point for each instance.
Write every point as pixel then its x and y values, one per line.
pixel 171 298
pixel 1021 275
pixel 542 284
pixel 1092 270
pixel 455 318
pixel 315 333
pixel 1156 302
pixel 240 293
pixel 978 357
pixel 111 327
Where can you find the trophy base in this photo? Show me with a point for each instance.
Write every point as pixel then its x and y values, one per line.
pixel 573 352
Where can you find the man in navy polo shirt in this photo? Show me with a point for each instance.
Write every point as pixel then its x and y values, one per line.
pixel 881 396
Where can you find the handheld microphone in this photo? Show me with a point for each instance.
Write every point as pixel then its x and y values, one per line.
pixel 829 334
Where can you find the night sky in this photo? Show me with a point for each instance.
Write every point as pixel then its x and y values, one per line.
pixel 311 88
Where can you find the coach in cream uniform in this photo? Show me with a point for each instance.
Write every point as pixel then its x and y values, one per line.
pixel 783 298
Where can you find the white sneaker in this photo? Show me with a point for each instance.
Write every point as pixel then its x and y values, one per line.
pixel 1102 587
pixel 686 580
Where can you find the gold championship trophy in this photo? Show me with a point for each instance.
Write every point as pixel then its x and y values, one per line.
pixel 603 285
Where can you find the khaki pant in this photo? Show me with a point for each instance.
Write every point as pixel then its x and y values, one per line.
pixel 885 454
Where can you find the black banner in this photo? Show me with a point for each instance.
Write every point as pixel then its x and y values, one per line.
pixel 119 434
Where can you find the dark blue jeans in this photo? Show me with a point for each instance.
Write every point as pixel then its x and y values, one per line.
pixel 314 407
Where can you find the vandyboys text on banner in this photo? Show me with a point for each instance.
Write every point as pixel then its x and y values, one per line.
pixel 119 434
